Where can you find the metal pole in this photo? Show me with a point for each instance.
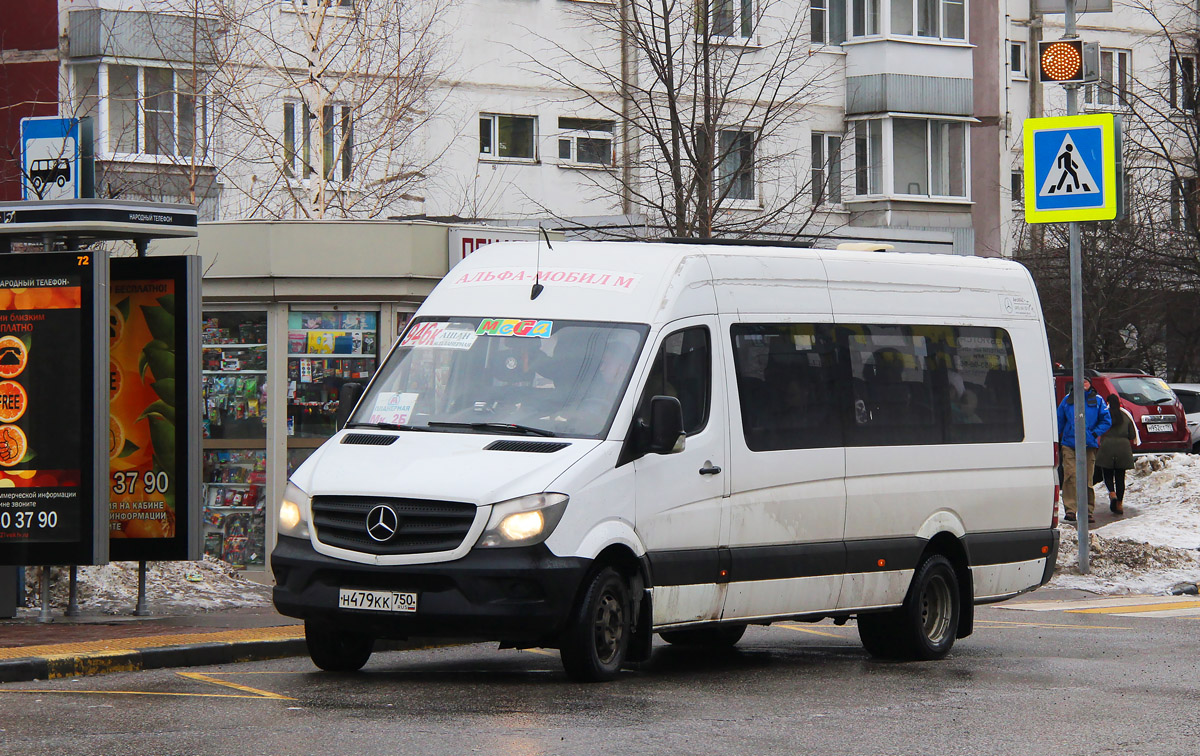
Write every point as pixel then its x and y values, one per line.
pixel 44 589
pixel 73 593
pixel 141 610
pixel 1082 482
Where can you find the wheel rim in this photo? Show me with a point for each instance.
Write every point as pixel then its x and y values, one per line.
pixel 609 627
pixel 936 609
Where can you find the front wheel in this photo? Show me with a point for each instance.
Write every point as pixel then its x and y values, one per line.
pixel 336 650
pixel 925 626
pixel 598 635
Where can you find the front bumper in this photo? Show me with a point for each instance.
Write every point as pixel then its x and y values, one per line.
pixel 520 595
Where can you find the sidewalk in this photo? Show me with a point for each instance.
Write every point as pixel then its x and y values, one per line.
pixel 96 644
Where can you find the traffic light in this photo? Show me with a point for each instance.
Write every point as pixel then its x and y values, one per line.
pixel 1068 61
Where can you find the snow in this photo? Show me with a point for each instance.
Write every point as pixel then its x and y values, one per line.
pixel 1154 547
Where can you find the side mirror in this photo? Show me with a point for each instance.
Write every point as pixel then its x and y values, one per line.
pixel 348 396
pixel 666 426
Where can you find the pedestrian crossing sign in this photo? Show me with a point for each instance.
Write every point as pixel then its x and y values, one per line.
pixel 1072 168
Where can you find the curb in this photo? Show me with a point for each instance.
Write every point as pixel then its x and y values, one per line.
pixel 192 655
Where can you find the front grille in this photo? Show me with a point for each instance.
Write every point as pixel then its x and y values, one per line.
pixel 368 439
pixel 423 526
pixel 537 447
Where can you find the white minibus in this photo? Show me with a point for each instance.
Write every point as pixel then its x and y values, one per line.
pixel 581 446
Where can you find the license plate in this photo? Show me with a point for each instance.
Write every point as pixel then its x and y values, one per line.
pixel 377 601
pixel 1160 427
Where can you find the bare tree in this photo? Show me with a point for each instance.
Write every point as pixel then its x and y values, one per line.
pixel 706 96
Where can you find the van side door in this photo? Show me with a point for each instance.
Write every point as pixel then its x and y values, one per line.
pixel 787 502
pixel 679 495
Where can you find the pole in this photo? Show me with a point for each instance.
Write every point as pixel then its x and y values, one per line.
pixel 1082 482
pixel 141 610
pixel 73 593
pixel 44 590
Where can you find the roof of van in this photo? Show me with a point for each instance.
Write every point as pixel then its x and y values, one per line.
pixel 642 281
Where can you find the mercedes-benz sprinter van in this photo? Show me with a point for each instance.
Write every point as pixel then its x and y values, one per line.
pixel 582 446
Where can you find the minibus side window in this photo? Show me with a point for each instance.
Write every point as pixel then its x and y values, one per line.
pixel 682 369
pixel 787 376
pixel 983 396
pixel 892 386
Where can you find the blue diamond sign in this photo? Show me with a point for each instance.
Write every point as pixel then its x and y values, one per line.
pixel 1072 168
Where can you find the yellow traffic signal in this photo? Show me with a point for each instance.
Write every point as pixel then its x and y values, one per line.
pixel 1068 61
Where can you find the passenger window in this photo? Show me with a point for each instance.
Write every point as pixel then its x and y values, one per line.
pixel 787 385
pixel 682 369
pixel 892 386
pixel 983 395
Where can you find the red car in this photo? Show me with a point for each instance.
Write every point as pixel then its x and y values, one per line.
pixel 1159 416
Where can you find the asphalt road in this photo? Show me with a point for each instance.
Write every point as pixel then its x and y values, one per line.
pixel 1027 683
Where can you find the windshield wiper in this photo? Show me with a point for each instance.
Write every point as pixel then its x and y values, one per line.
pixel 522 430
pixel 388 426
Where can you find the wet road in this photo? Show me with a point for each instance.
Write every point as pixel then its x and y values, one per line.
pixel 1028 683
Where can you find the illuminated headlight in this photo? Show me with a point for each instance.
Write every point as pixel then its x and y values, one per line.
pixel 524 521
pixel 293 512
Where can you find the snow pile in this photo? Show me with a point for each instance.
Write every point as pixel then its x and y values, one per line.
pixel 206 585
pixel 1155 546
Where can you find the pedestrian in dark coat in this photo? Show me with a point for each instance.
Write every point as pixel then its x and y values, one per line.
pixel 1115 455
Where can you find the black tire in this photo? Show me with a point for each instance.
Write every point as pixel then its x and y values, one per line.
pixel 600 630
pixel 712 636
pixel 37 184
pixel 336 650
pixel 61 181
pixel 925 626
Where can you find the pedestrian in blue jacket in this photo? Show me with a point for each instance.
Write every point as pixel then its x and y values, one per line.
pixel 1097 420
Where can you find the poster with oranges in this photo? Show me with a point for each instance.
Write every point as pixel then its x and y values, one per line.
pixel 48 409
pixel 141 396
pixel 153 396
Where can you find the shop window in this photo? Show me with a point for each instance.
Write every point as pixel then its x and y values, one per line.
pixel 235 375
pixel 235 496
pixel 326 350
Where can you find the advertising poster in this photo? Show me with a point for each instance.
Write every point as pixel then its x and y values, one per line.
pixel 151 390
pixel 50 413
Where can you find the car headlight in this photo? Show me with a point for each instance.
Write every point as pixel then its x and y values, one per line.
pixel 294 512
pixel 523 521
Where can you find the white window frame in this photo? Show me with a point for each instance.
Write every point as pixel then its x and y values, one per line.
pixel 828 11
pixel 101 126
pixel 492 155
pixel 1016 186
pixel 1120 68
pixel 827 176
pixel 569 137
pixel 723 164
pixel 865 18
pixel 885 167
pixel 305 131
pixel 1178 93
pixel 743 21
pixel 870 180
pixel 335 6
pixel 896 7
pixel 1018 50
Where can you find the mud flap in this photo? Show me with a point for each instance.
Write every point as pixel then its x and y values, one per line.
pixel 643 633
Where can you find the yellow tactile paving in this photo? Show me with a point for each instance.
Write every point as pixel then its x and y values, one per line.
pixel 1160 606
pixel 118 645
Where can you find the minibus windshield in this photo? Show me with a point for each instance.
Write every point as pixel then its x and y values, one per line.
pixel 504 375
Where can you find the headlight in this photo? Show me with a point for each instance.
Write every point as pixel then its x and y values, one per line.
pixel 524 521
pixel 293 512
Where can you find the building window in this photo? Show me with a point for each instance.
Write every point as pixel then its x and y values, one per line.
pixel 1184 204
pixel 938 19
pixel 508 137
pixel 929 157
pixel 1113 87
pixel 730 18
pixel 868 157
pixel 735 164
pixel 319 3
pixel 1016 60
pixel 826 169
pixel 1183 82
pixel 866 17
pixel 586 141
pixel 828 20
pixel 1017 185
pixel 300 145
pixel 150 111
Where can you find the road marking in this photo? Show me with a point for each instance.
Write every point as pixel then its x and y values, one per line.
pixel 1007 623
pixel 541 651
pixel 244 688
pixel 1118 606
pixel 254 693
pixel 810 631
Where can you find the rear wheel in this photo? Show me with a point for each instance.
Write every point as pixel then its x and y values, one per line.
pixel 336 650
pixel 598 635
pixel 717 636
pixel 925 626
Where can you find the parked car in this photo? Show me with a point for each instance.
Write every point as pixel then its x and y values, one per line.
pixel 1189 396
pixel 1161 421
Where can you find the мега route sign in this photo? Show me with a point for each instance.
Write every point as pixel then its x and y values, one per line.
pixel 1072 168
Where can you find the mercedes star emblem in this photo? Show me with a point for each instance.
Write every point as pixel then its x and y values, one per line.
pixel 382 523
